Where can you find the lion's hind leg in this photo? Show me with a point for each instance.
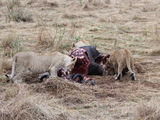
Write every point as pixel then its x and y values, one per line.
pixel 10 76
pixel 119 75
pixel 130 66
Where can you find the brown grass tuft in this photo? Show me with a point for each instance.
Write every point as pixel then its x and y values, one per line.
pixel 58 87
pixel 45 40
pixel 144 110
pixel 70 92
pixel 148 111
pixel 5 66
pixel 139 68
pixel 149 9
pixel 11 45
pixel 60 40
pixel 23 105
pixel 156 33
pixel 12 3
pixel 155 52
pixel 30 111
pixel 102 20
pixel 1 3
pixel 138 18
pixel 11 93
pixel 70 16
pixel 15 13
pixel 31 78
pixel 107 1
pixel 99 3
pixel 86 7
pixel 51 4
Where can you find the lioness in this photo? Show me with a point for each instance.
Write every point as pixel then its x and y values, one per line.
pixel 30 62
pixel 121 61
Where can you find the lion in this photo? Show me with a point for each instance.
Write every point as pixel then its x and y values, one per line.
pixel 30 62
pixel 121 61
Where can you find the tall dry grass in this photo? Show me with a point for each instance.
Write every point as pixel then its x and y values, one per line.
pixel 11 45
pixel 59 39
pixel 45 40
pixel 43 101
pixel 5 66
pixel 1 3
pixel 148 111
pixel 51 3
pixel 15 13
pixel 25 106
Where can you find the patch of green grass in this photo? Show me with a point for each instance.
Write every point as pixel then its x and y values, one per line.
pixel 65 47
pixel 77 38
pixel 61 35
pixel 80 2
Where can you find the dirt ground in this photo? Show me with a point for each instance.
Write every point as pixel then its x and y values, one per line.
pixel 44 26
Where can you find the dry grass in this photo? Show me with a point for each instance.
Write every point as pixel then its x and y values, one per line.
pixel 155 52
pixel 45 39
pixel 149 9
pixel 86 7
pixel 148 111
pixel 11 45
pixel 138 18
pixel 59 39
pixel 22 101
pixel 51 3
pixel 1 3
pixel 99 2
pixel 156 33
pixel 30 111
pixel 53 41
pixel 107 24
pixel 5 66
pixel 15 13
pixel 70 16
pixel 11 93
pixel 59 87
pixel 139 68
pixel 12 3
pixel 22 106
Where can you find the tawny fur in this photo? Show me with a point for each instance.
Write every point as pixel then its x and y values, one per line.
pixel 26 62
pixel 120 60
pixel 80 44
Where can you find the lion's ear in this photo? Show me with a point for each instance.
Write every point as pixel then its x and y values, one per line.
pixel 74 60
pixel 108 56
pixel 73 44
pixel 105 58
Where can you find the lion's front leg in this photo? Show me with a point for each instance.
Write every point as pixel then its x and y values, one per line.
pixel 53 72
pixel 17 79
